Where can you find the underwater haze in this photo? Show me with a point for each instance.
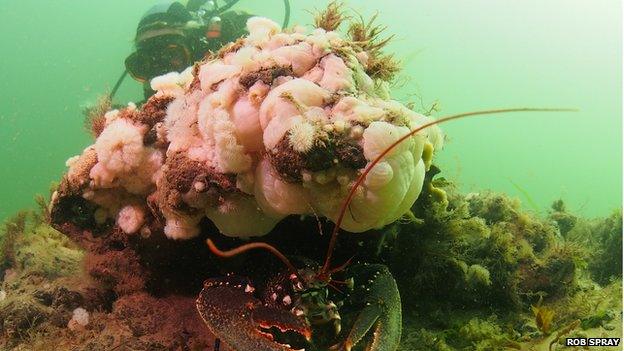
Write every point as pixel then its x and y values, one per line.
pixel 265 198
pixel 59 56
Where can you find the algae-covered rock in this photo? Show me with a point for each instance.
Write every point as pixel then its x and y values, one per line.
pixel 483 334
pixel 36 259
pixel 565 220
pixel 19 315
pixel 470 268
pixel 46 251
pixel 606 262
pixel 481 250
pixel 29 244
pixel 424 340
pixel 601 238
pixel 45 284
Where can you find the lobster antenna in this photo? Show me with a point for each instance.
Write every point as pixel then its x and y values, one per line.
pixel 318 220
pixel 250 246
pixel 362 177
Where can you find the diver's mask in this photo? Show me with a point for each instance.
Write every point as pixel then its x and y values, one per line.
pixel 162 44
pixel 162 54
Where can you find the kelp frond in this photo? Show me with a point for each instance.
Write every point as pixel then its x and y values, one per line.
pixel 543 317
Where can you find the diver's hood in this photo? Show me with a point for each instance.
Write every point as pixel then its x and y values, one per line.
pixel 166 13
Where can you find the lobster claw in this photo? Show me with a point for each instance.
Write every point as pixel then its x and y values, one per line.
pixel 376 300
pixel 234 315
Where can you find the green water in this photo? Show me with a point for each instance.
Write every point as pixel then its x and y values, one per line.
pixel 59 55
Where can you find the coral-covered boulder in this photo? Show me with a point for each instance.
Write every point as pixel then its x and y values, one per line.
pixel 276 124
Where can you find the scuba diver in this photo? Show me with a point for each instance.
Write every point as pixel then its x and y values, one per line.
pixel 171 37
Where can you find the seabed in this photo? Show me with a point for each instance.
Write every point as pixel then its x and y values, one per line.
pixel 475 272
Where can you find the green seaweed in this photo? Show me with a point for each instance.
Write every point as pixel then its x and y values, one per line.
pixel 29 244
pixel 481 250
pixel 606 263
pixel 13 229
pixel 472 266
